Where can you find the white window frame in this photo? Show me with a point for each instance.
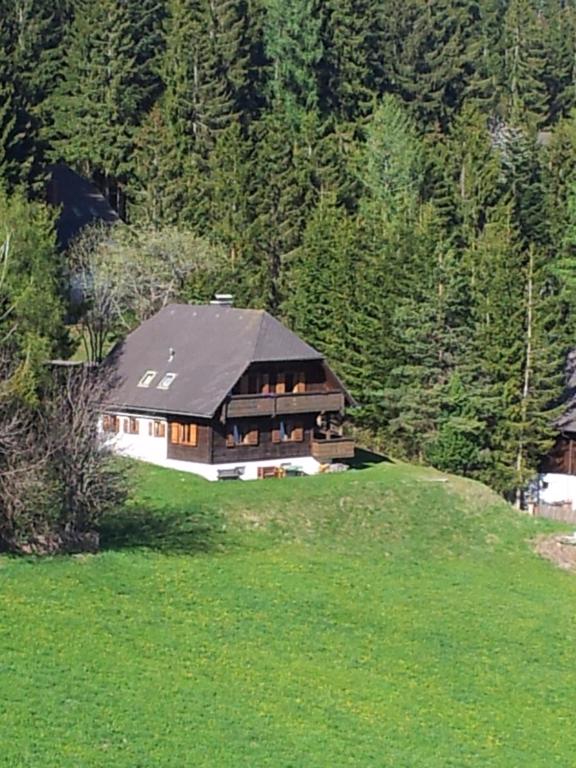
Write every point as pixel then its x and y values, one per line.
pixel 147 379
pixel 163 384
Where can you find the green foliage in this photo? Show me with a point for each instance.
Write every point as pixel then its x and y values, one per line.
pixel 400 191
pixel 31 313
pixel 293 44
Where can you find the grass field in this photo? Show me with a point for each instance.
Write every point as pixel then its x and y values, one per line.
pixel 378 618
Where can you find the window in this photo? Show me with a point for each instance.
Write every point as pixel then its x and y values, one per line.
pixel 288 432
pixel 157 429
pixel 166 380
pixel 184 434
pixel 241 435
pixel 110 423
pixel 147 379
pixel 131 426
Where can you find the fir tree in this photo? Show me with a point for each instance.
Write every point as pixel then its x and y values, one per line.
pixel 293 44
pixel 95 106
pixel 524 64
pixel 438 59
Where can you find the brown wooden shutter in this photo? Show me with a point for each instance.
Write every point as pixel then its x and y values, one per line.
pixel 193 435
pixel 265 384
pixel 297 434
pixel 276 438
pixel 251 437
pixel 126 426
pixel 135 426
pixel 174 433
pixel 280 384
pixel 300 382
pixel 160 429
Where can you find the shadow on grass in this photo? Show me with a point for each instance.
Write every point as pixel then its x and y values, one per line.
pixel 363 459
pixel 169 531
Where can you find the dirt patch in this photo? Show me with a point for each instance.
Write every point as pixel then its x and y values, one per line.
pixel 554 548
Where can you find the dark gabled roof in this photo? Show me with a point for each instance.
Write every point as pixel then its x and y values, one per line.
pixel 211 347
pixel 566 422
pixel 79 200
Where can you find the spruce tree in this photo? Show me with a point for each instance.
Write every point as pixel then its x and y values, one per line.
pixel 95 105
pixel 318 297
pixel 524 64
pixel 293 45
pixel 438 59
pixel 345 77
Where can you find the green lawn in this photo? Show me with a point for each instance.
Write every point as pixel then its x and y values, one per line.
pixel 377 618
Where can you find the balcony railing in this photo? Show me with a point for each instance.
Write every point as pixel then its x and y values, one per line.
pixel 333 448
pixel 284 404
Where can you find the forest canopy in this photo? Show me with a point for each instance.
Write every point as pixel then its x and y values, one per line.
pixel 395 180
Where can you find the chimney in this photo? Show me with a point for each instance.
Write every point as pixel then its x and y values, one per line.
pixel 223 300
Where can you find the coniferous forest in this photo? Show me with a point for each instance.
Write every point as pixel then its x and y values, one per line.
pixel 396 180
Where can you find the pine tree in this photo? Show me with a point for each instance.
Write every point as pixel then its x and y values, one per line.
pixel 31 317
pixel 146 20
pixel 95 106
pixel 438 59
pixel 282 194
pixel 293 44
pixel 524 65
pixel 318 300
pixel 31 35
pixel 345 76
pixel 8 139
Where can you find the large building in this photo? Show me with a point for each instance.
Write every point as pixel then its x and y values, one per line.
pixel 224 392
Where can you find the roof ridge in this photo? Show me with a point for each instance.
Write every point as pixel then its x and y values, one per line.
pixel 258 333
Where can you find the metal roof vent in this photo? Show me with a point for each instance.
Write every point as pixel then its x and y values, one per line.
pixel 223 300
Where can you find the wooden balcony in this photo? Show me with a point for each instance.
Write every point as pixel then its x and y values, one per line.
pixel 284 404
pixel 333 448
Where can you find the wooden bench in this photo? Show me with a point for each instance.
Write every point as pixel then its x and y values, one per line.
pixel 265 473
pixel 235 473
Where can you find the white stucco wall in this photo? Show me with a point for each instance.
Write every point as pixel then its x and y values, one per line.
pixel 154 450
pixel 556 487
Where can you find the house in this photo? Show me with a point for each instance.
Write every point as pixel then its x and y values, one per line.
pixel 557 480
pixel 224 392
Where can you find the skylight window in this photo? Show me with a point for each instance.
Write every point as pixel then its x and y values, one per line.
pixel 166 380
pixel 147 379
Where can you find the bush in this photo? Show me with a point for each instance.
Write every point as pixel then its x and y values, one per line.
pixel 57 478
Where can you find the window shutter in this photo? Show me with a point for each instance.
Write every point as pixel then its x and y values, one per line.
pixel 297 434
pixel 252 437
pixel 280 384
pixel 127 426
pixel 193 435
pixel 160 429
pixel 265 386
pixel 300 383
pixel 151 428
pixel 276 438
pixel 174 433
pixel 135 427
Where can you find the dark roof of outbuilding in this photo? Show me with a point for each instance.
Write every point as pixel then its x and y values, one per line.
pixel 566 422
pixel 210 346
pixel 80 201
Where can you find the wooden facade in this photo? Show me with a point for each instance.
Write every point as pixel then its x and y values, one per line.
pixel 275 425
pixel 562 458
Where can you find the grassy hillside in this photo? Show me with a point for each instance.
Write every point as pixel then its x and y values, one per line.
pixel 378 618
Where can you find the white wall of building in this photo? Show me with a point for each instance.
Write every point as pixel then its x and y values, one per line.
pixel 155 450
pixel 555 488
